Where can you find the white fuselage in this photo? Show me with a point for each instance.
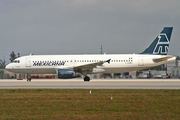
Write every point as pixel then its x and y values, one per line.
pixel 119 63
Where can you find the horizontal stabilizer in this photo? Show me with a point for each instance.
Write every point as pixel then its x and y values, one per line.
pixel 162 59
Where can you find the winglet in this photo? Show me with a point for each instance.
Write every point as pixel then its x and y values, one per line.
pixel 108 61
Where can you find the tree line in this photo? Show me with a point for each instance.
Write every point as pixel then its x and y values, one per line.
pixel 12 55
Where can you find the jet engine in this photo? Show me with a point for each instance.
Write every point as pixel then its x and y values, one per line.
pixel 67 73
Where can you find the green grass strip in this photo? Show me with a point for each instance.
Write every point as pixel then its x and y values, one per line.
pixel 80 104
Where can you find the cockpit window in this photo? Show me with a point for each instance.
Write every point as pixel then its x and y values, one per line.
pixel 16 61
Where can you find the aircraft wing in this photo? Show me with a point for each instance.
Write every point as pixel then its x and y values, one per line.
pixel 162 59
pixel 89 67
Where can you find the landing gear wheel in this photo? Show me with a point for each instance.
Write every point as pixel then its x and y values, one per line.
pixel 29 79
pixel 86 78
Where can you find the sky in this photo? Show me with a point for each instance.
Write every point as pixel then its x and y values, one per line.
pixel 57 27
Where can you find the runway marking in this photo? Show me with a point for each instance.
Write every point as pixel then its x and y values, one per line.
pixel 21 86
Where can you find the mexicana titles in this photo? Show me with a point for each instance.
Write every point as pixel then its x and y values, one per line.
pixel 48 63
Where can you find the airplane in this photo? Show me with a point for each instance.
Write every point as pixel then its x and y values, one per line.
pixel 72 66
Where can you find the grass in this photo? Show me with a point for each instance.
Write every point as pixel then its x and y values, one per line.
pixel 80 104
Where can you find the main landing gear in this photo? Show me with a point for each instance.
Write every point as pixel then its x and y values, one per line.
pixel 86 78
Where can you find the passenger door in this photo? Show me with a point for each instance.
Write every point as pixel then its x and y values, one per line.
pixel 140 61
pixel 28 62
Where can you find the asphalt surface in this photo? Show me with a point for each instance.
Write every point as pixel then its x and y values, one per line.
pixel 93 84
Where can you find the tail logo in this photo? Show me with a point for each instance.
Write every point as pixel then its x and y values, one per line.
pixel 162 45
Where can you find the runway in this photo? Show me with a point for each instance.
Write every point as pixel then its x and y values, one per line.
pixel 93 84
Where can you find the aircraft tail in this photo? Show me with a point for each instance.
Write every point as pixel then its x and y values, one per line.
pixel 160 45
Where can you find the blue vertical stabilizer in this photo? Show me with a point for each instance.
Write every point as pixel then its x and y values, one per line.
pixel 160 45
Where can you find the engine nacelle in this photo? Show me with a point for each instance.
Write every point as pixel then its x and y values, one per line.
pixel 67 73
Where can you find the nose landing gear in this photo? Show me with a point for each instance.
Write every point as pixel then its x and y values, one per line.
pixel 28 79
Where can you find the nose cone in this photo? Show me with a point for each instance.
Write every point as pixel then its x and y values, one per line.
pixel 8 67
